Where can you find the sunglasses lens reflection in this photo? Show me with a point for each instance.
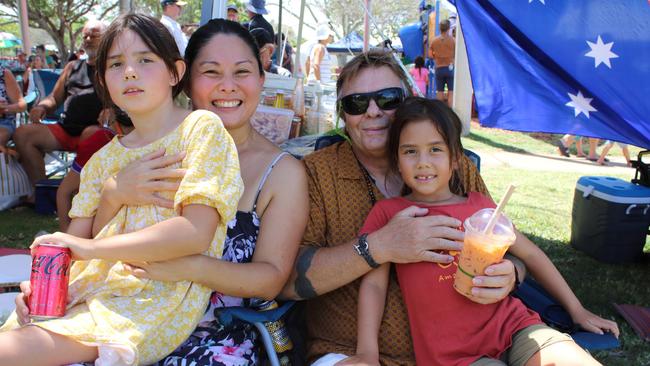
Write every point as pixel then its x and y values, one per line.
pixel 386 99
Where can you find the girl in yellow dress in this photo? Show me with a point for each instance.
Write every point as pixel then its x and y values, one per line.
pixel 114 318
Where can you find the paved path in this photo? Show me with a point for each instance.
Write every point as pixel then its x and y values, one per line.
pixel 536 162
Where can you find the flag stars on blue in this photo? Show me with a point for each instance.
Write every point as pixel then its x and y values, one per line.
pixel 601 52
pixel 580 104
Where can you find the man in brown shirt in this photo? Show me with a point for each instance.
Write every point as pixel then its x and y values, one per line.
pixel 443 51
pixel 344 182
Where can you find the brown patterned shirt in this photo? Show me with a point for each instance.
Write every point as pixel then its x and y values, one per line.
pixel 339 203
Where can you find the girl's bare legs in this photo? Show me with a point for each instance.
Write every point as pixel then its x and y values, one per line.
pixel 31 345
pixel 562 354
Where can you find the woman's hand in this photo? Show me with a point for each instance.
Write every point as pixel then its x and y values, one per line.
pixel 359 360
pixel 139 182
pixel 81 249
pixel 496 284
pixel 173 270
pixel 105 117
pixel 22 311
pixel 593 323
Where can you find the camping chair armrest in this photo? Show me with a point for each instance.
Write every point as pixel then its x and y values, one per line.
pixel 227 315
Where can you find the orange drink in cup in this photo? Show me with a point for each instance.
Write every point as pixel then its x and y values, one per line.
pixel 482 247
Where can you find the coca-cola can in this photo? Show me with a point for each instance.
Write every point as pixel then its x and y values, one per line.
pixel 49 281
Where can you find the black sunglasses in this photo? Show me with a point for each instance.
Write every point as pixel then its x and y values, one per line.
pixel 386 99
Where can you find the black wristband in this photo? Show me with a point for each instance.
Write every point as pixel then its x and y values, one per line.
pixel 362 249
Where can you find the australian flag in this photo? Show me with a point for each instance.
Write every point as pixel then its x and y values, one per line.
pixel 561 66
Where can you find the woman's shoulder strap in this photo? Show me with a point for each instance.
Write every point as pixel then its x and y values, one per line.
pixel 266 175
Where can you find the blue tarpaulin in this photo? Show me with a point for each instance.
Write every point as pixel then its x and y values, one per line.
pixel 411 36
pixel 352 42
pixel 579 67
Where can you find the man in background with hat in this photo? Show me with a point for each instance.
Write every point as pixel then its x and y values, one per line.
pixel 171 11
pixel 265 43
pixel 255 9
pixel 233 13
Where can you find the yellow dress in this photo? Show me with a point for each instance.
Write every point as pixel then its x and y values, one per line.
pixel 143 320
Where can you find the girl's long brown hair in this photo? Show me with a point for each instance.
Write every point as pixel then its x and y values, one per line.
pixel 415 109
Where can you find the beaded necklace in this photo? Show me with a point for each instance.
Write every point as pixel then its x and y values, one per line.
pixel 368 180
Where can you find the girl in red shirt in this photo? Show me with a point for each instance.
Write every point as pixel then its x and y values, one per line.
pixel 447 328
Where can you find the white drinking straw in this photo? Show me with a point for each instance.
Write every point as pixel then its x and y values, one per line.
pixel 497 211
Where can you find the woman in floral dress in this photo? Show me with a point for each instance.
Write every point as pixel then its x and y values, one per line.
pixel 226 77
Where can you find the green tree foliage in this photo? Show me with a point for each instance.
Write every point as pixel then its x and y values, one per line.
pixel 347 15
pixel 191 12
pixel 62 20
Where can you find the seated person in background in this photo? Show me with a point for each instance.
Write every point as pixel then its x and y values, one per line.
pixel 11 102
pixel 81 110
pixel 265 43
pixel 40 51
pixel 35 63
pixel 119 125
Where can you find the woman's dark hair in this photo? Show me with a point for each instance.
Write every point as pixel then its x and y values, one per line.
pixel 153 34
pixel 419 62
pixel 204 34
pixel 415 109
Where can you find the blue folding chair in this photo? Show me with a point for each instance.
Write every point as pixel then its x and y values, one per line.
pixel 44 82
pixel 552 313
pixel 257 318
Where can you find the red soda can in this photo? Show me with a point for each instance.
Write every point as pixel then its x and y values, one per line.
pixel 49 281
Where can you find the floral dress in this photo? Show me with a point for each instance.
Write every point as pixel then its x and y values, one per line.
pixel 213 343
pixel 141 320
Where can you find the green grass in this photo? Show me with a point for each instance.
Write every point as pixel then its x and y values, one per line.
pixel 541 209
pixel 488 139
pixel 18 226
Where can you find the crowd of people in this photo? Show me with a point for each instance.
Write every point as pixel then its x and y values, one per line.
pixel 175 214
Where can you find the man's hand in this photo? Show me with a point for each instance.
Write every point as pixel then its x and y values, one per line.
pixel 37 114
pixel 411 236
pixel 106 117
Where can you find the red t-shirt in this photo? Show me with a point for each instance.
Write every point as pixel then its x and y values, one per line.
pixel 446 327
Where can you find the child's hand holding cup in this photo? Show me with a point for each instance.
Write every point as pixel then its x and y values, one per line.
pixel 488 235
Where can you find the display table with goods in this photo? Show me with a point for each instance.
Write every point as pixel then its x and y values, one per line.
pixel 289 109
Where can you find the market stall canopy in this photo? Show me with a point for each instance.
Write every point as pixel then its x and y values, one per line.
pixel 578 67
pixel 8 40
pixel 353 42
